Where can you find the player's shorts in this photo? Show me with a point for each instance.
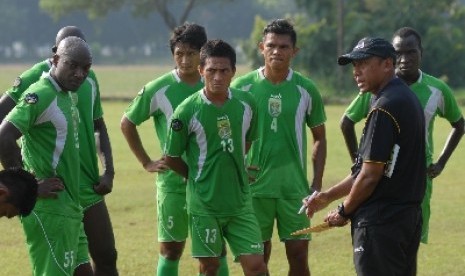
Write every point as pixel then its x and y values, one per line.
pixel 83 248
pixel 172 217
pixel 285 212
pixel 390 248
pixel 87 196
pixel 52 242
pixel 209 233
pixel 426 210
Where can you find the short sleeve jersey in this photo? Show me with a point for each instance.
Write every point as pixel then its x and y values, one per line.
pixel 158 99
pixel 436 99
pixel 48 120
pixel 393 135
pixel 281 150
pixel 213 139
pixel 90 109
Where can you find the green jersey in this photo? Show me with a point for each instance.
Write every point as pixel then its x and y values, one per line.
pixel 435 97
pixel 213 139
pixel 158 99
pixel 89 107
pixel 281 151
pixel 48 119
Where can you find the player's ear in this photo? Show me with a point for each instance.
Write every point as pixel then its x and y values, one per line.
pixel 296 50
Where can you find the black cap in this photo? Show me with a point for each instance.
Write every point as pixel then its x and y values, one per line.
pixel 368 47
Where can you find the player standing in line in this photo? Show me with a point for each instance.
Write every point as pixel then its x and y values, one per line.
pixel 18 192
pixel 157 100
pixel 287 102
pixel 213 128
pixel 435 97
pixel 100 240
pixel 46 119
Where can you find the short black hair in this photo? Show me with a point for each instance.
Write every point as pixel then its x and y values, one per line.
pixel 282 27
pixel 189 33
pixel 217 48
pixel 406 32
pixel 22 187
pixel 66 32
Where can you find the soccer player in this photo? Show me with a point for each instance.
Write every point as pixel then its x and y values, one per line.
pixel 435 97
pixel 387 183
pixel 18 192
pixel 287 102
pixel 100 241
pixel 46 119
pixel 157 100
pixel 213 129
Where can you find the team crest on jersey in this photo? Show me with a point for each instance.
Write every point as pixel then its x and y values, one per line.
pixel 31 98
pixel 224 127
pixel 17 82
pixel 176 124
pixel 274 105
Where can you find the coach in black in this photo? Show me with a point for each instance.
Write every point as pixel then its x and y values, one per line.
pixel 387 183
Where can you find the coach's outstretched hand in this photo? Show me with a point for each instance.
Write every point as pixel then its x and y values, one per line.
pixel 315 203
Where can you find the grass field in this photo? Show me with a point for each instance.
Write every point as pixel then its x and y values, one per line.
pixel 132 203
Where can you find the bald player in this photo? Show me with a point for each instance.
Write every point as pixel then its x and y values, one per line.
pixel 100 239
pixel 46 118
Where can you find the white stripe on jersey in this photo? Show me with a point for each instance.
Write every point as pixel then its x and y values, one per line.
pixel 94 93
pixel 54 115
pixel 246 120
pixel 435 101
pixel 196 127
pixel 160 101
pixel 303 109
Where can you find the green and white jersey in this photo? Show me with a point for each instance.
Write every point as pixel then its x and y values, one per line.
pixel 436 99
pixel 90 109
pixel 281 152
pixel 27 78
pixel 213 139
pixel 48 119
pixel 158 99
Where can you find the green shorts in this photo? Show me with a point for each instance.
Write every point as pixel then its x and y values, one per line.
pixel 172 217
pixel 52 243
pixel 209 233
pixel 83 248
pixel 426 210
pixel 87 196
pixel 285 213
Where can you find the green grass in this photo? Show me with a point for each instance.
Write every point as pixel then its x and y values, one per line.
pixel 133 212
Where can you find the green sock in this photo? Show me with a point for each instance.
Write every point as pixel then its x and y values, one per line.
pixel 223 270
pixel 167 267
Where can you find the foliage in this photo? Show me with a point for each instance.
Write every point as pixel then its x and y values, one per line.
pixel 167 9
pixel 319 23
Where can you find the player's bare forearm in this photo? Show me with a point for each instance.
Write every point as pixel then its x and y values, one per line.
pixel 6 105
pixel 318 156
pixel 133 139
pixel 178 165
pixel 10 153
pixel 350 137
pixel 104 149
pixel 452 141
pixel 363 186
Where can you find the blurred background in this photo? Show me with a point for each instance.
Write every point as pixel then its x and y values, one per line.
pixel 129 32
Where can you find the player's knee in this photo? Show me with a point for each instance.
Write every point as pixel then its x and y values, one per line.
pixel 171 252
